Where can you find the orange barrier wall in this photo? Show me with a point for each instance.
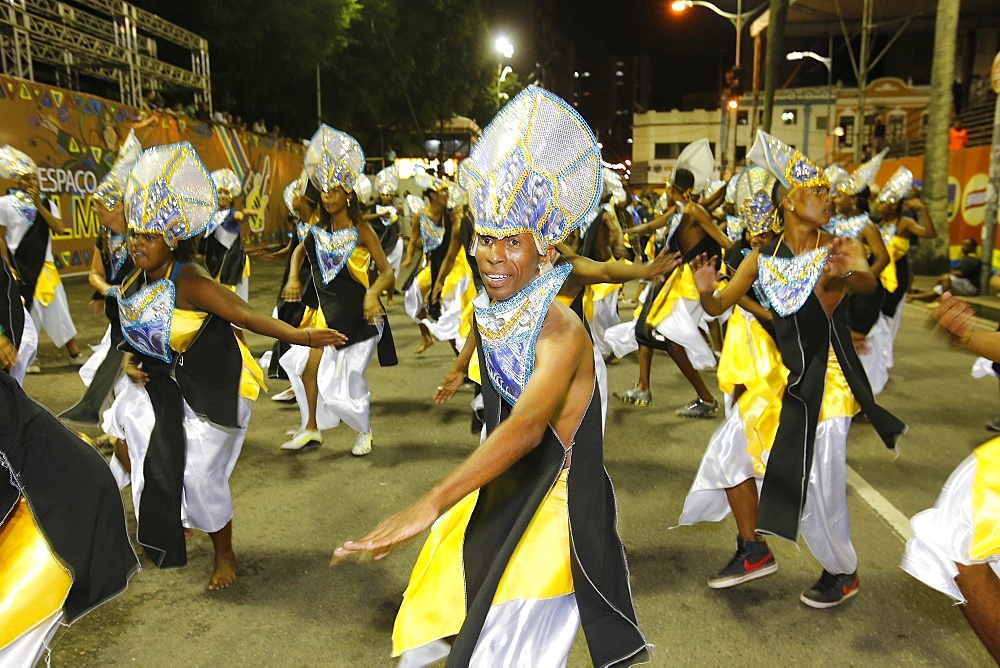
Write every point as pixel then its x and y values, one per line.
pixel 74 138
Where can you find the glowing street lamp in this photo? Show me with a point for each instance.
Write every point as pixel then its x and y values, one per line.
pixel 505 49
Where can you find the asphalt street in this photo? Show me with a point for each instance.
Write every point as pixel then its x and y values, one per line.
pixel 289 607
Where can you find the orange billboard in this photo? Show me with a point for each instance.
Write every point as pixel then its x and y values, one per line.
pixel 74 138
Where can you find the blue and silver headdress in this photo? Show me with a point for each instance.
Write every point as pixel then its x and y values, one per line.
pixel 837 175
pixel 333 158
pixel 753 201
pixel 536 169
pixel 170 192
pixel 14 163
pixel 790 166
pixel 363 189
pixel 226 179
pixel 863 176
pixel 387 180
pixel 731 188
pixel 896 188
pixel 293 190
pixel 111 189
pixel 427 181
pixel 612 181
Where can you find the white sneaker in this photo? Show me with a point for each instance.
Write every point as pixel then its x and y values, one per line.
pixel 362 445
pixel 302 438
pixel 34 368
pixel 284 396
pixel 79 360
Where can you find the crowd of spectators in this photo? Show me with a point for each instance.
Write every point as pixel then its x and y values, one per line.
pixel 153 101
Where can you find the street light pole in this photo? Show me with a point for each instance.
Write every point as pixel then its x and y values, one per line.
pixel 828 62
pixel 737 20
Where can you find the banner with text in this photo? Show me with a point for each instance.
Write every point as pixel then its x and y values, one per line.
pixel 74 139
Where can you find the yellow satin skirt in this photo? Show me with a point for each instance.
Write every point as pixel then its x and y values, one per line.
pixel 434 602
pixel 986 502
pixel 33 583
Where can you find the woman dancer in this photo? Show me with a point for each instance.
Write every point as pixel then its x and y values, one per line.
pixel 222 244
pixel 184 416
pixel 330 384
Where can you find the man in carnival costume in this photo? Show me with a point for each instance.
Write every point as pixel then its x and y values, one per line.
pixel 27 248
pixel 805 275
pixel 520 548
pixel 955 546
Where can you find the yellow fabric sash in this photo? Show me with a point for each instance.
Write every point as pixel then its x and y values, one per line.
pixel 434 602
pixel 680 285
pixel 358 264
pixel 185 325
pixel 898 247
pixel 246 267
pixel 33 583
pixel 45 288
pixel 763 406
pixel 986 502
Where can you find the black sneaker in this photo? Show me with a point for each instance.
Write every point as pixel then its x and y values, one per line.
pixel 994 425
pixel 831 590
pixel 699 409
pixel 753 559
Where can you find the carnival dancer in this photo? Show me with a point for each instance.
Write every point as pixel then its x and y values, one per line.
pixel 955 547
pixel 898 229
pixel 64 548
pixel 18 339
pixel 804 275
pixel 433 226
pixel 29 246
pixel 222 243
pixel 330 384
pixel 753 379
pixel 519 548
pixel 185 414
pixel 384 218
pixel 850 197
pixel 110 266
pixel 671 314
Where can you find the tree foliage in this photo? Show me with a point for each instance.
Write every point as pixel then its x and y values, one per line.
pixel 390 69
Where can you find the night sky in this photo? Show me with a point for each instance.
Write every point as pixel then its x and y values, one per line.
pixel 687 50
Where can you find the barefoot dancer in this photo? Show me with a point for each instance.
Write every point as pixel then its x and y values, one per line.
pixel 185 414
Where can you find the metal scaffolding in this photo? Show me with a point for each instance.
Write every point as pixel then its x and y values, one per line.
pixel 113 42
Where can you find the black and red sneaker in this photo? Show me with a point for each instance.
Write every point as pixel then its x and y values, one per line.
pixel 753 559
pixel 831 590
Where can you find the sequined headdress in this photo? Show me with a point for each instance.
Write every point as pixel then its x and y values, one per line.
pixel 753 202
pixel 387 180
pixel 226 179
pixel 535 169
pixel 14 163
pixel 333 158
pixel 788 165
pixel 293 189
pixel 363 188
pixel 836 175
pixel 712 189
pixel 111 189
pixel 427 181
pixel 863 176
pixel 170 192
pixel 731 188
pixel 457 196
pixel 896 187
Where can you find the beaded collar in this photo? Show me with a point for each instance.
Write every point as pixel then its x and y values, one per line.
pixel 333 249
pixel 788 281
pixel 117 252
pixel 24 206
pixel 842 226
pixel 430 233
pixel 302 230
pixel 509 328
pixel 888 232
pixel 218 218
pixel 146 317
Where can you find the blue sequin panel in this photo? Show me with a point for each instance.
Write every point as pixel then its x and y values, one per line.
pixel 158 210
pixel 218 218
pixel 146 317
pixel 302 230
pixel 431 234
pixel 788 281
pixel 117 252
pixel 509 328
pixel 24 206
pixel 888 232
pixel 333 249
pixel 734 227
pixel 842 226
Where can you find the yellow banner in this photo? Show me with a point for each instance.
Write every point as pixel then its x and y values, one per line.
pixel 74 139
